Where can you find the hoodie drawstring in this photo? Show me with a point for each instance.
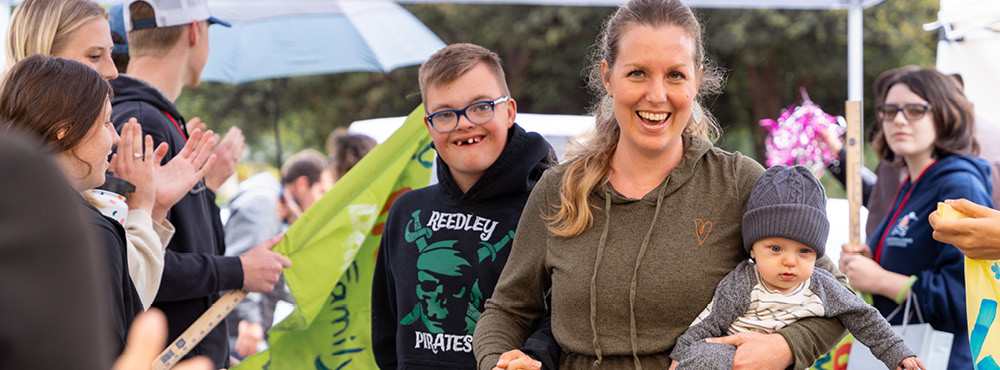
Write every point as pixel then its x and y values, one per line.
pixel 635 273
pixel 593 278
pixel 633 333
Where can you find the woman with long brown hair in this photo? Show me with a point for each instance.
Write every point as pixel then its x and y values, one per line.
pixel 635 231
pixel 926 126
pixel 79 30
pixel 67 106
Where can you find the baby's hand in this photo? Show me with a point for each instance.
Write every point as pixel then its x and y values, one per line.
pixel 911 363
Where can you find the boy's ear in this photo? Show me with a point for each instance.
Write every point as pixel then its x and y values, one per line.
pixel 752 255
pixel 428 125
pixel 511 111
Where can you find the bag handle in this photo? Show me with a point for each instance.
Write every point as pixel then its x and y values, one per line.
pixel 906 312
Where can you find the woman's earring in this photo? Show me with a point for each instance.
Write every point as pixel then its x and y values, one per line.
pixel 696 113
pixel 607 107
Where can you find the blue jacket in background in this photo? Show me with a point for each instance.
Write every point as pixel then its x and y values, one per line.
pixel 908 248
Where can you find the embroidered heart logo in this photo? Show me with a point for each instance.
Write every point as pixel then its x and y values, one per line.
pixel 702 228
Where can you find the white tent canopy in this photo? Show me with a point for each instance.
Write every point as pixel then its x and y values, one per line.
pixel 971 46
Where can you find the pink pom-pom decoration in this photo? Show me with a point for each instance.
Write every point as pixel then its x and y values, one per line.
pixel 797 136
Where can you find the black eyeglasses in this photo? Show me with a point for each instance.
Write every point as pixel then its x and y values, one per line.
pixel 477 113
pixel 912 112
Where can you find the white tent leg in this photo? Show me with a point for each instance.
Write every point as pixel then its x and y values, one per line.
pixel 855 56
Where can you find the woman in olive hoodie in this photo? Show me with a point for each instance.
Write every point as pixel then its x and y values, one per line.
pixel 633 234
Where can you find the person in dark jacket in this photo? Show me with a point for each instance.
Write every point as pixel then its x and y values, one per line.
pixel 926 123
pixel 878 187
pixel 168 48
pixel 43 271
pixel 445 245
pixel 66 105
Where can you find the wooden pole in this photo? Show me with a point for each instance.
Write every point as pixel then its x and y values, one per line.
pixel 198 330
pixel 854 159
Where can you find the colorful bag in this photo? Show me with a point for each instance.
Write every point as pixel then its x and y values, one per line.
pixel 836 359
pixel 982 291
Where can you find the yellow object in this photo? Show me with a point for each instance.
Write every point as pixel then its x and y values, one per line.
pixel 947 212
pixel 982 291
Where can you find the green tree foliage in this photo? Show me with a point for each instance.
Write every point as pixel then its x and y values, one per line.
pixel 306 108
pixel 543 49
pixel 769 55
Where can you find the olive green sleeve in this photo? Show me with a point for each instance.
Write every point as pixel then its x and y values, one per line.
pixel 519 297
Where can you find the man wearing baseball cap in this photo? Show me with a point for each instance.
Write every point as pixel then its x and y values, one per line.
pixel 168 48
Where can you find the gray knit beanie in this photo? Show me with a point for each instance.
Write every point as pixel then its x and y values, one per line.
pixel 789 203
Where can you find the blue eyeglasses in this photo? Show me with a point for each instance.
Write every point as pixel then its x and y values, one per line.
pixel 477 113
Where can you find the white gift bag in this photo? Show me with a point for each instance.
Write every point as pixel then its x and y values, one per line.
pixel 933 347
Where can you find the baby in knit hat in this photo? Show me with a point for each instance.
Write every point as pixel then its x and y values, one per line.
pixel 784 230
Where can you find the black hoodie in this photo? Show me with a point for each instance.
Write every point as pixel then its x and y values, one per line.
pixel 194 268
pixel 440 256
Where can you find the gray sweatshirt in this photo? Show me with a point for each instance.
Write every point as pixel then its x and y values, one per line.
pixel 732 299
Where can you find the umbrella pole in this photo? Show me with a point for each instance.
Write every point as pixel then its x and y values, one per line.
pixel 277 116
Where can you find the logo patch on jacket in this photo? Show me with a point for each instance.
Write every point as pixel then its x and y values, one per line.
pixel 897 236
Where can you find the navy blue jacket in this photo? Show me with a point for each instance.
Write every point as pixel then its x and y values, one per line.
pixel 195 269
pixel 902 243
pixel 440 257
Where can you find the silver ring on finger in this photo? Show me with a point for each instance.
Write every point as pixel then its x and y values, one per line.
pixel 136 155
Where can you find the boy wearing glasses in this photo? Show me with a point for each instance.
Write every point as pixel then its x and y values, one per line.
pixel 443 246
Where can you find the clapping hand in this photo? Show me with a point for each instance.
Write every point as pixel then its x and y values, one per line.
pixel 228 153
pixel 134 164
pixel 175 178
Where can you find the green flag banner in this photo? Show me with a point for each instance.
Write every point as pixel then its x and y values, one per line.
pixel 333 248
